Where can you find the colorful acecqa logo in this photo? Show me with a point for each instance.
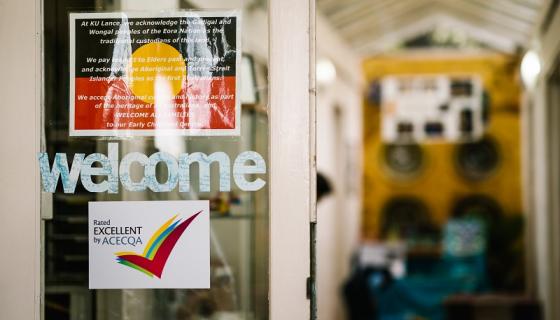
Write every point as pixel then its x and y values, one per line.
pixel 152 261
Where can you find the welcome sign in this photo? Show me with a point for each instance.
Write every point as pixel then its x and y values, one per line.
pixel 149 244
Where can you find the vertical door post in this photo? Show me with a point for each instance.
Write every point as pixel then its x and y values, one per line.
pixel 292 155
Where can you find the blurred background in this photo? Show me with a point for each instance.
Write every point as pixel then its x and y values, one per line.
pixel 437 133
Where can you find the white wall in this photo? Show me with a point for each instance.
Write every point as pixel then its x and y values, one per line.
pixel 19 142
pixel 339 157
pixel 542 155
pixel 539 200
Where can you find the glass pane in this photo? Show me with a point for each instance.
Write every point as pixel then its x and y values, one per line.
pixel 239 219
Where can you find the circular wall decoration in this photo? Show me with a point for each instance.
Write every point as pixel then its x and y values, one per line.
pixel 407 217
pixel 403 160
pixel 478 206
pixel 477 160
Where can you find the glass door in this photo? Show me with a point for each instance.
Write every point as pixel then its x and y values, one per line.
pixel 239 218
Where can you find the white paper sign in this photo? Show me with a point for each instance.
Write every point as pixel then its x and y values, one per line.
pixel 149 244
pixel 154 73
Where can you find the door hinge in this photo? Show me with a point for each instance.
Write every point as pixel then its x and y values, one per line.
pixel 310 287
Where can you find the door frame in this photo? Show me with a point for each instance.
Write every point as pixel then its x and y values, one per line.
pixel 292 154
pixel 291 165
pixel 20 88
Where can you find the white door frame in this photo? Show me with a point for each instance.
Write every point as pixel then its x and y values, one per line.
pixel 292 154
pixel 20 86
pixel 291 167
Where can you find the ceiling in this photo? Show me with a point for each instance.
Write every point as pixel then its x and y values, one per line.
pixel 373 26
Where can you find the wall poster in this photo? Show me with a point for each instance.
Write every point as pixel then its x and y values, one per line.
pixel 152 73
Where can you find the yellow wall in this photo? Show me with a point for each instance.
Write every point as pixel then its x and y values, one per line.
pixel 439 184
